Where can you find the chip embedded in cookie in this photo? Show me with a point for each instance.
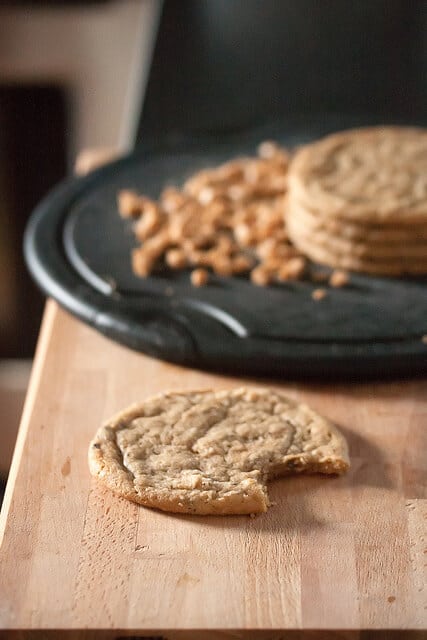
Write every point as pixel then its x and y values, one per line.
pixel 212 452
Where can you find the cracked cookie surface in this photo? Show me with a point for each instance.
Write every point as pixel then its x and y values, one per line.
pixel 375 175
pixel 212 452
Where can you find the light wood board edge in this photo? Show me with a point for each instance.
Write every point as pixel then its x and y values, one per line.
pixel 42 346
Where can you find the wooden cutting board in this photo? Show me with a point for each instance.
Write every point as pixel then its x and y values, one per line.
pixel 344 555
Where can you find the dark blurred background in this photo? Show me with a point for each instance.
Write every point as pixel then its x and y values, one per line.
pixel 229 63
pixel 75 74
pixel 32 159
pixel 218 64
pixel 72 76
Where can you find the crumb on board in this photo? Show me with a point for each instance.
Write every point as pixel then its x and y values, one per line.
pixel 129 204
pixel 261 276
pixel 199 277
pixel 339 278
pixel 319 294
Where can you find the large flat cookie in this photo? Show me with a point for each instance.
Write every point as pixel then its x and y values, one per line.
pixel 375 174
pixel 385 266
pixel 375 251
pixel 212 452
pixel 371 234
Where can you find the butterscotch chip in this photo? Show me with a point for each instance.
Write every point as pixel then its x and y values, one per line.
pixel 267 248
pixel 222 265
pixel 156 245
pixel 215 177
pixel 252 172
pixel 196 182
pixel 206 195
pixel 239 191
pixel 199 258
pixel 293 269
pixel 217 210
pixel 213 452
pixel 225 244
pixel 172 199
pixel 129 204
pixel 241 264
pixel 244 234
pixel 262 275
pixel 176 259
pixel 339 278
pixel 150 221
pixel 270 150
pixel 271 248
pixel 319 294
pixel 142 262
pixel 199 277
pixel 267 149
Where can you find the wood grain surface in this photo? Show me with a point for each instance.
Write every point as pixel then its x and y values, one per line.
pixel 334 558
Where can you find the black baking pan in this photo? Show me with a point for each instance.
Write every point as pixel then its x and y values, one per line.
pixel 78 251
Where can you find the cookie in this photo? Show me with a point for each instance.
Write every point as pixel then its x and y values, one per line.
pixel 212 452
pixel 385 267
pixel 376 251
pixel 369 233
pixel 374 175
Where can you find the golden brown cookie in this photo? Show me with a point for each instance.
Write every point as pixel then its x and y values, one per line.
pixel 398 266
pixel 334 243
pixel 212 452
pixel 375 175
pixel 396 234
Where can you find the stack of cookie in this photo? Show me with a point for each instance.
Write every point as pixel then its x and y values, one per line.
pixel 358 200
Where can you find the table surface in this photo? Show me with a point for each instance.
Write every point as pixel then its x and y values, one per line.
pixel 334 554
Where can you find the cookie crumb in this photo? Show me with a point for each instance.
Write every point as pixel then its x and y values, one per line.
pixel 252 515
pixel 339 278
pixel 424 339
pixel 199 277
pixel 319 294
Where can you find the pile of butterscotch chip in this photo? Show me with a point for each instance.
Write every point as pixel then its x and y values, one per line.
pixel 227 220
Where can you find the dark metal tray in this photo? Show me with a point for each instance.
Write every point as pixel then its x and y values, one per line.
pixel 78 250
